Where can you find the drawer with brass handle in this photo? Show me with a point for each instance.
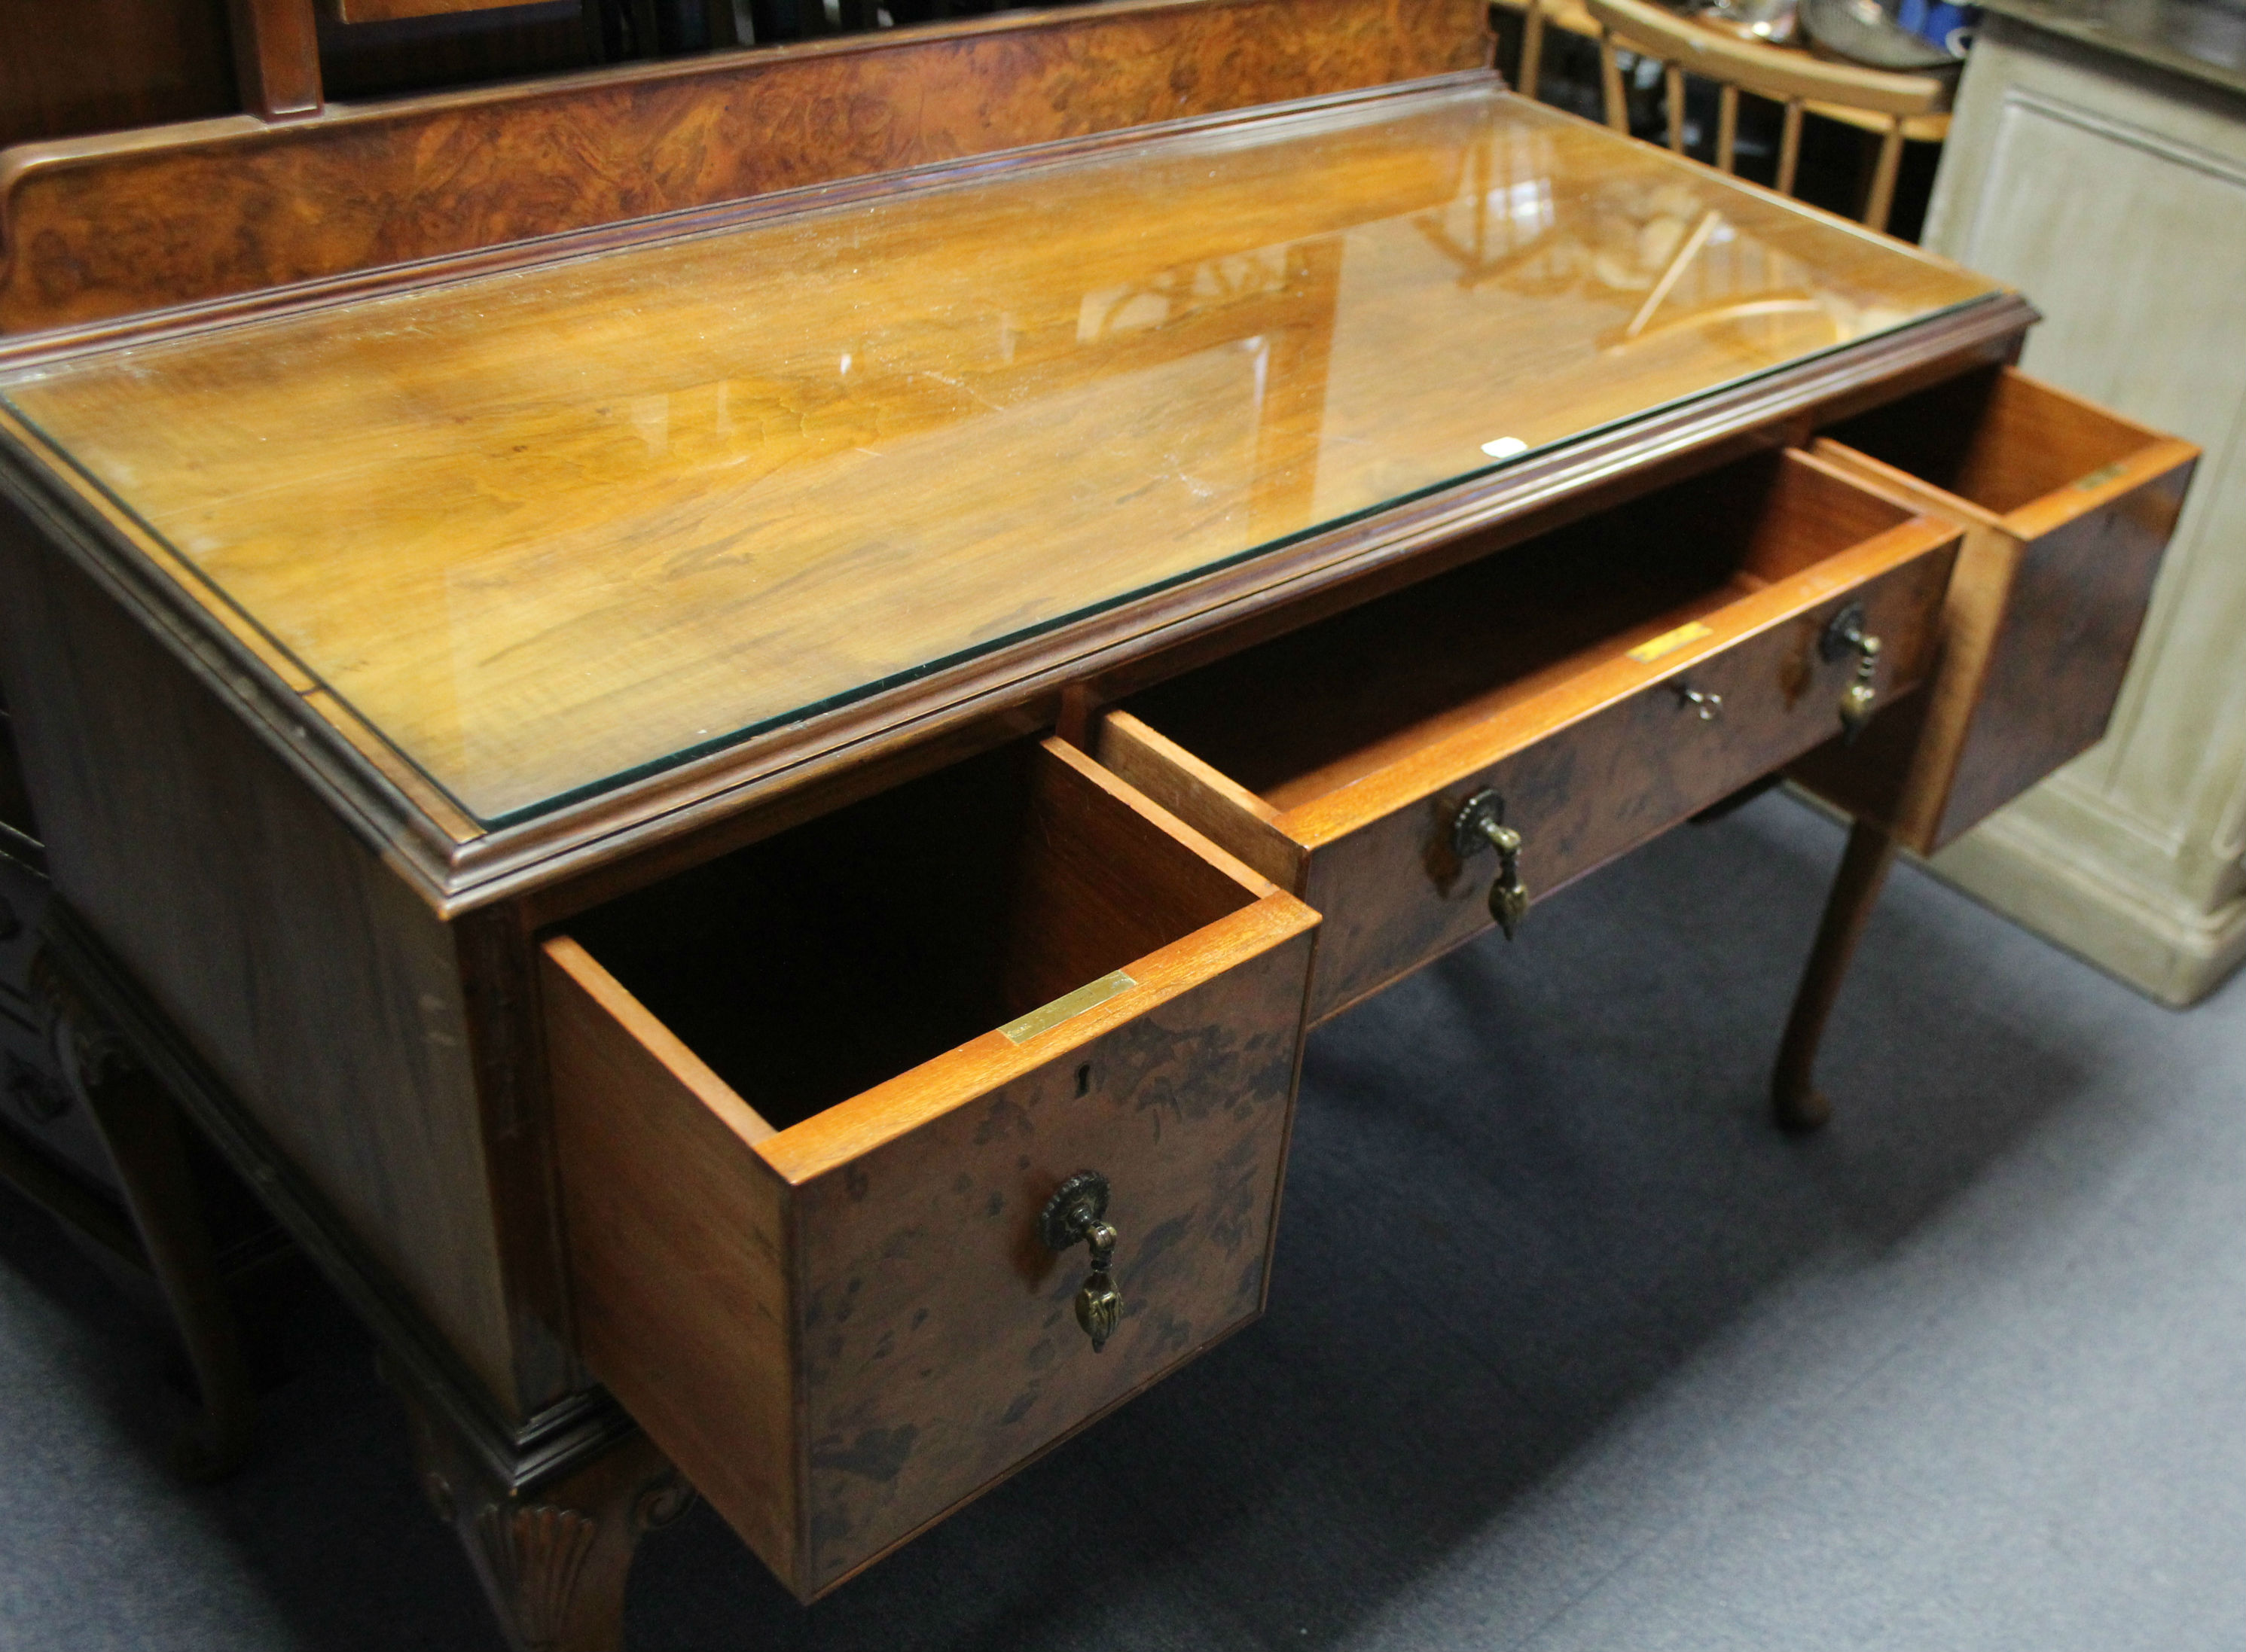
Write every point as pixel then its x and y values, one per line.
pixel 897 1146
pixel 1439 759
pixel 2066 509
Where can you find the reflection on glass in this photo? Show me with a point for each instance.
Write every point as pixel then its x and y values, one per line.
pixel 546 529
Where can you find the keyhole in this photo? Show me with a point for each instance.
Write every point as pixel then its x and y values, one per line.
pixel 1084 1079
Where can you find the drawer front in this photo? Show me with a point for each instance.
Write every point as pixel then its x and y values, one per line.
pixel 941 1348
pixel 2077 600
pixel 1393 893
pixel 842 1329
pixel 2044 613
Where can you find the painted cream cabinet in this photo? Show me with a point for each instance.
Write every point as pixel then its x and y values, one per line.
pixel 2114 192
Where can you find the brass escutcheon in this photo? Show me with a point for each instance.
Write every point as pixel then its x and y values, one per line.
pixel 1480 822
pixel 1077 1213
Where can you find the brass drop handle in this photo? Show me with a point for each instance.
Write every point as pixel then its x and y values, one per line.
pixel 1709 706
pixel 1077 1214
pixel 1480 824
pixel 1845 634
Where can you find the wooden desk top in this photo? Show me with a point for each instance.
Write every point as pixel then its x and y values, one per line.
pixel 550 530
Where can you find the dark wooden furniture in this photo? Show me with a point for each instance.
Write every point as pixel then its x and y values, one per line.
pixel 2067 510
pixel 666 754
pixel 88 1133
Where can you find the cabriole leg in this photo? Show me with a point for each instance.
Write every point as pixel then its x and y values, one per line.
pixel 553 1556
pixel 1795 1100
pixel 141 1126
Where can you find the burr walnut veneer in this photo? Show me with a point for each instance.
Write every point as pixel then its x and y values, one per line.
pixel 2066 509
pixel 666 782
pixel 1564 674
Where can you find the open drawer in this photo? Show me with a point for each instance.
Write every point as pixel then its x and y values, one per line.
pixel 1604 681
pixel 811 1102
pixel 2066 509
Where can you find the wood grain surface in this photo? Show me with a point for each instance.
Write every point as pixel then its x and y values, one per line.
pixel 680 1269
pixel 1359 739
pixel 1610 780
pixel 391 11
pixel 104 227
pixel 315 983
pixel 778 468
pixel 276 58
pixel 1766 71
pixel 101 65
pixel 843 1330
pixel 1197 793
pixel 2067 510
pixel 939 1351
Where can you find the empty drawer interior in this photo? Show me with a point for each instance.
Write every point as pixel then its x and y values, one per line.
pixel 1310 713
pixel 1995 439
pixel 832 957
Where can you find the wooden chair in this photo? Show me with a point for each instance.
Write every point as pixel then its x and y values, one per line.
pixel 1792 78
pixel 1532 48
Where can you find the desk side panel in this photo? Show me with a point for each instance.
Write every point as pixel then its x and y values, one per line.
pixel 312 980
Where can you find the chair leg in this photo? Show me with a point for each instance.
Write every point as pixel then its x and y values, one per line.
pixel 1789 147
pixel 1795 1100
pixel 140 1127
pixel 1883 178
pixel 1611 80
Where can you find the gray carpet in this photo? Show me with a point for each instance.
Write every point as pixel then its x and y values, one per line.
pixel 1566 1348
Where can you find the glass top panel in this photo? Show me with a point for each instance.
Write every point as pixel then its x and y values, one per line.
pixel 548 529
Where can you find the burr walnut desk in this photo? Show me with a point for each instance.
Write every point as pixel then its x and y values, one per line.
pixel 739 815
